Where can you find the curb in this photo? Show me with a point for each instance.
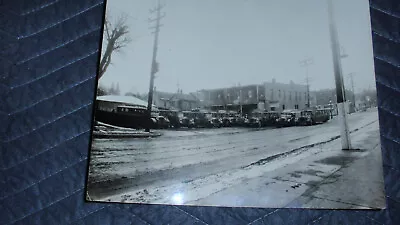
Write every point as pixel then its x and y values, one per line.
pixel 126 135
pixel 300 149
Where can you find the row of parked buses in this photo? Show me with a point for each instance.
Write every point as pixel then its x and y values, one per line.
pixel 206 119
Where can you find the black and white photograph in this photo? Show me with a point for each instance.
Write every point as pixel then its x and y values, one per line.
pixel 237 103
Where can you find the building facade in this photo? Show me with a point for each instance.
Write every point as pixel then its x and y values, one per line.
pixel 237 98
pixel 326 96
pixel 269 96
pixel 175 101
pixel 286 96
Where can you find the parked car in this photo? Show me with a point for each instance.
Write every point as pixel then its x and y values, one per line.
pixel 226 122
pixel 172 116
pixel 163 122
pixel 240 121
pixel 187 122
pixel 286 119
pixel 270 118
pixel 313 116
pixel 216 122
pixel 253 122
pixel 202 121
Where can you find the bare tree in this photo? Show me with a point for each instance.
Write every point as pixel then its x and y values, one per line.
pixel 116 37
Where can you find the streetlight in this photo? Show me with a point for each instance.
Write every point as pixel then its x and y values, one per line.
pixel 337 66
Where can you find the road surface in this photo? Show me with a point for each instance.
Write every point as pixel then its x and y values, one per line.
pixel 226 166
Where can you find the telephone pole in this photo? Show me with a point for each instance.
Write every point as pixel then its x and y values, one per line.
pixel 305 63
pixel 154 63
pixel 337 67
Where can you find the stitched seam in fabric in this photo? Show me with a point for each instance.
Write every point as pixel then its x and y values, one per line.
pixel 190 215
pixel 55 70
pixel 30 214
pixel 386 37
pixel 390 139
pixel 384 11
pixel 386 61
pixel 59 46
pixel 84 216
pixel 39 8
pixel 45 178
pixel 393 199
pixel 372 219
pixel 276 210
pixel 59 22
pixel 134 215
pixel 320 218
pixel 46 124
pixel 42 152
pixel 388 86
pixel 52 96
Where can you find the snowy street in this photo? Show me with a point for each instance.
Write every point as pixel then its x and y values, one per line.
pixel 235 166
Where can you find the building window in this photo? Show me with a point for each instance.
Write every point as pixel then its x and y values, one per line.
pixel 283 107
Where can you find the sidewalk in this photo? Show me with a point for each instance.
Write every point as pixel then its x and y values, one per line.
pixel 359 184
pixel 323 176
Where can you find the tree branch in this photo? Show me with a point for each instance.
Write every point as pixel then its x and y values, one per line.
pixel 117 37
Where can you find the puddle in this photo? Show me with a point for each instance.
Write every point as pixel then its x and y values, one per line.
pixel 309 172
pixel 296 175
pixel 337 160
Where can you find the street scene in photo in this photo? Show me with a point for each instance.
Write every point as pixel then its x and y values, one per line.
pixel 242 103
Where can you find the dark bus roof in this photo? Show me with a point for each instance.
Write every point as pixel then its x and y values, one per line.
pixel 131 107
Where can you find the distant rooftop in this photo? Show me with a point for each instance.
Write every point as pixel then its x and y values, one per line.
pixel 176 96
pixel 129 100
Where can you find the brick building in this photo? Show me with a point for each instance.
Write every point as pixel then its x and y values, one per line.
pixel 270 96
pixel 236 98
pixel 286 96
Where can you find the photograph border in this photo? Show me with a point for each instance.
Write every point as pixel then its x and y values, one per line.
pixel 57 122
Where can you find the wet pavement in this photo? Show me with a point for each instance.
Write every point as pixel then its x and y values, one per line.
pixel 232 166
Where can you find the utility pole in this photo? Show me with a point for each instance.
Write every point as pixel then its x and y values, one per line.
pixel 337 67
pixel 343 55
pixel 305 63
pixel 351 76
pixel 240 100
pixel 154 63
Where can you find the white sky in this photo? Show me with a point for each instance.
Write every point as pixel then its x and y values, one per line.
pixel 220 43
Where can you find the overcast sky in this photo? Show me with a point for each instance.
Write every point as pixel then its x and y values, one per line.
pixel 220 43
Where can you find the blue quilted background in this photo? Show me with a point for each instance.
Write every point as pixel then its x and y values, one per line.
pixel 48 58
